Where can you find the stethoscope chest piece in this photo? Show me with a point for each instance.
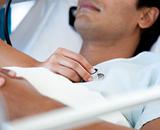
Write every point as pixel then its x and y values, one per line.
pixel 98 75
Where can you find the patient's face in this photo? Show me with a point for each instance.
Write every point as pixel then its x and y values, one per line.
pixel 109 18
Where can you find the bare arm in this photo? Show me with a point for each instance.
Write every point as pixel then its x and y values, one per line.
pixel 19 94
pixel 12 57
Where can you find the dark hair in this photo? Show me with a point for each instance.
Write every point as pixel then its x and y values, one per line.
pixel 150 35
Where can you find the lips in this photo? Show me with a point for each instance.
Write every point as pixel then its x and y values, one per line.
pixel 86 4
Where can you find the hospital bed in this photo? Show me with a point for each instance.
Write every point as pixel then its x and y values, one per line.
pixel 37 28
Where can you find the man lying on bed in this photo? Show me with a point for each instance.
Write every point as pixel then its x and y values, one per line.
pixel 110 29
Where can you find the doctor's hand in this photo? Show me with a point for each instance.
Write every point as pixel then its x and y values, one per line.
pixel 70 65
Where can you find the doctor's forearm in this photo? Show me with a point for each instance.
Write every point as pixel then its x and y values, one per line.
pixel 12 57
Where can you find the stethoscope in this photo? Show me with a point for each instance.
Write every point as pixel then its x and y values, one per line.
pixel 96 75
pixel 6 32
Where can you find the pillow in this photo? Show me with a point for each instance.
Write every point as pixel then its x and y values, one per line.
pixel 156 46
pixel 46 28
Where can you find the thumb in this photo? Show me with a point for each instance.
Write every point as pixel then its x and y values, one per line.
pixel 2 81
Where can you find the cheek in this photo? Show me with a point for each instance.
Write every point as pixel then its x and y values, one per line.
pixel 120 17
pixel 119 9
pixel 128 21
pixel 117 26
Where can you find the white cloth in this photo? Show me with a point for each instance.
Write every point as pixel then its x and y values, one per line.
pixel 61 89
pixel 156 46
pixel 121 75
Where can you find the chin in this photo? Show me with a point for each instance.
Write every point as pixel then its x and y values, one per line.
pixel 82 23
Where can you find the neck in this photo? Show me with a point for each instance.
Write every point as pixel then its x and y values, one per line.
pixel 99 51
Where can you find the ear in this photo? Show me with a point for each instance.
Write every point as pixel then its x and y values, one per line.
pixel 147 17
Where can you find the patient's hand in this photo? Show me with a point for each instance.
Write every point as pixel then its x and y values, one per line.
pixel 2 81
pixel 69 64
pixel 10 73
pixel 22 99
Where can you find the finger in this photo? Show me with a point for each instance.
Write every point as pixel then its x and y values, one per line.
pixel 66 72
pixel 77 57
pixel 8 72
pixel 74 65
pixel 2 81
